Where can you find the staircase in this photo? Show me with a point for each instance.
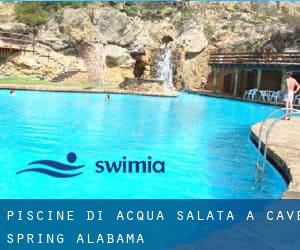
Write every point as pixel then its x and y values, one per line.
pixel 65 75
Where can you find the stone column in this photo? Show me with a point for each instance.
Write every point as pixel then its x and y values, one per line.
pixel 214 83
pixel 94 58
pixel 283 79
pixel 258 78
pixel 236 81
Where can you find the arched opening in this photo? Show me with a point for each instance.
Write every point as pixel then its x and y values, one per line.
pixel 167 39
pixel 140 64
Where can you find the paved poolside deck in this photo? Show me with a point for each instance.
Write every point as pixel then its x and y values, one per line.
pixel 284 152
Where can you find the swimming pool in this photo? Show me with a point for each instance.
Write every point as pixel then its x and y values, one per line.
pixel 204 142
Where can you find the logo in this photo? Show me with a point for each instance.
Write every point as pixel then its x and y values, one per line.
pixel 61 170
pixel 55 168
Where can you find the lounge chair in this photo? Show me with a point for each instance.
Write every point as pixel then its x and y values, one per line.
pixel 275 96
pixel 297 99
pixel 250 94
pixel 264 95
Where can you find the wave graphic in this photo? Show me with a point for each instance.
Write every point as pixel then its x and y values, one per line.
pixel 57 167
pixel 49 172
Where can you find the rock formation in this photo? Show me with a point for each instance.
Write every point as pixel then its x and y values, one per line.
pixel 131 41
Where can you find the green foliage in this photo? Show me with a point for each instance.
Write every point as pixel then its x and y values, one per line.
pixel 238 7
pixel 284 10
pixel 225 27
pixel 187 13
pixel 21 80
pixel 208 31
pixel 290 19
pixel 149 10
pixel 132 12
pixel 38 13
pixel 246 20
pixel 54 6
pixel 32 14
pixel 263 18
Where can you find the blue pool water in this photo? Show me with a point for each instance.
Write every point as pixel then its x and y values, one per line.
pixel 204 142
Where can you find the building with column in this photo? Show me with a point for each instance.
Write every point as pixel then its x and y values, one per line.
pixel 234 73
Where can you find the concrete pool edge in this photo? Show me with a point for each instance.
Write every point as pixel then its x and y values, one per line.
pixel 282 157
pixel 234 98
pixel 74 89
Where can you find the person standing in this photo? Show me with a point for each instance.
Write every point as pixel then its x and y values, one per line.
pixel 292 88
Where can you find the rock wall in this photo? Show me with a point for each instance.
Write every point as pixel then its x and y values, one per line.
pixel 42 64
pixel 131 42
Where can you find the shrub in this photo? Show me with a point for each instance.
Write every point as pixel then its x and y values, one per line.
pixel 290 19
pixel 187 13
pixel 208 31
pixel 284 10
pixel 38 13
pixel 32 14
pixel 132 12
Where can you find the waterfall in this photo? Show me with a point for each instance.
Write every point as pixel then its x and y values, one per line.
pixel 100 65
pixel 165 71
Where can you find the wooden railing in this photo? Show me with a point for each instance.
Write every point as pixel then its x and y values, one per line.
pixel 16 41
pixel 255 58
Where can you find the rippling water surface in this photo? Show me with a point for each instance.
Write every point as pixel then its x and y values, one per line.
pixel 204 142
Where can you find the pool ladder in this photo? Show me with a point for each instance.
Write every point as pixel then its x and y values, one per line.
pixel 260 164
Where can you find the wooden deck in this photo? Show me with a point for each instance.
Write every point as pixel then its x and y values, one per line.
pixel 289 60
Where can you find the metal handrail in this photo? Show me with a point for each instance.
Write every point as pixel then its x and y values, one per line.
pixel 269 131
pixel 14 33
pixel 25 41
pixel 17 41
pixel 292 112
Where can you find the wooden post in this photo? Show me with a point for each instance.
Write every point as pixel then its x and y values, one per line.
pixel 258 78
pixel 236 81
pixel 33 44
pixel 231 83
pixel 283 80
pixel 214 83
pixel 10 42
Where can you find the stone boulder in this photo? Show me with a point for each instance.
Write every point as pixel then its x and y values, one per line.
pixel 137 36
pixel 153 87
pixel 39 65
pixel 192 37
pixel 25 61
pixel 118 56
pixel 52 39
pixel 14 27
pixel 51 36
pixel 111 23
pixel 76 27
pixel 194 69
pixel 286 37
pixel 140 84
